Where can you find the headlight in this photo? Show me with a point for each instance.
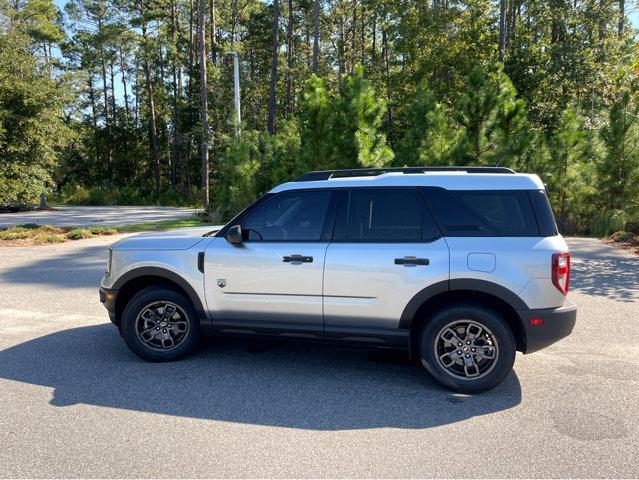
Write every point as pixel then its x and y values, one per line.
pixel 109 262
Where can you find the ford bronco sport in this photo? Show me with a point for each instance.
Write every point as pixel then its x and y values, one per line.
pixel 461 266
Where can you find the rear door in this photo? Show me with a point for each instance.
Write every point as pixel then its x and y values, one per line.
pixel 386 248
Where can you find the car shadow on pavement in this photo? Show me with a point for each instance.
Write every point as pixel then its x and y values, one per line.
pixel 67 269
pixel 290 385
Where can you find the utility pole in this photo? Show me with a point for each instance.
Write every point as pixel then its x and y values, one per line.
pixel 204 118
pixel 236 85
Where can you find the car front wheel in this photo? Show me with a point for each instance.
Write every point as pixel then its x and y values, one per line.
pixel 467 348
pixel 160 325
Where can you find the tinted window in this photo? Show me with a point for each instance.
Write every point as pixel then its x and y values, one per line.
pixel 485 213
pixel 543 213
pixel 387 215
pixel 289 216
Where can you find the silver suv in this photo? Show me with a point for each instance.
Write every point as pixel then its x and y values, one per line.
pixel 460 266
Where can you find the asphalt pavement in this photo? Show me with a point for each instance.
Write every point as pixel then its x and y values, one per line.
pixel 82 216
pixel 76 403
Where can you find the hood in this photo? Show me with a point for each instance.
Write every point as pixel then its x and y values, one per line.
pixel 181 239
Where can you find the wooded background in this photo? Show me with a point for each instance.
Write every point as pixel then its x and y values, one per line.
pixel 131 101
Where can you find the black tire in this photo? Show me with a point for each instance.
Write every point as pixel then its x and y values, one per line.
pixel 496 338
pixel 185 338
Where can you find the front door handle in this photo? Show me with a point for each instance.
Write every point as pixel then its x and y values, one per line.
pixel 297 258
pixel 411 261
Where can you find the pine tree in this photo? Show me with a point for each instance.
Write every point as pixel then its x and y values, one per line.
pixel 492 119
pixel 567 174
pixel 357 119
pixel 619 167
pixel 315 117
pixel 428 136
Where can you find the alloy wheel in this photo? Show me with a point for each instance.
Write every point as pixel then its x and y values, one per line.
pixel 466 349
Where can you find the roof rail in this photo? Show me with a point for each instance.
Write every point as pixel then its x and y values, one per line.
pixel 372 172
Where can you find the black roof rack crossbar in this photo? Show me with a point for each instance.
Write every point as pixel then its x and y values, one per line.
pixel 372 172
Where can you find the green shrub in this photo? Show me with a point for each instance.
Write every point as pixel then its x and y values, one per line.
pixel 15 233
pixel 622 236
pixel 79 233
pixel 603 224
pixel 103 231
pixel 50 229
pixel 49 238
pixel 633 226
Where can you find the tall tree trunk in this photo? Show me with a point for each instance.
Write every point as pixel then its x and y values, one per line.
pixel 106 109
pixel 204 117
pixel 316 33
pixel 126 95
pixel 502 29
pixel 622 18
pixel 289 62
pixel 272 93
pixel 213 33
pixel 354 37
pixel 385 55
pixel 94 117
pixel 112 75
pixel 374 48
pixel 176 98
pixel 602 22
pixel 153 132
pixel 341 61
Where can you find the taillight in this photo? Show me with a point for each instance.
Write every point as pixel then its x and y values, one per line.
pixel 561 271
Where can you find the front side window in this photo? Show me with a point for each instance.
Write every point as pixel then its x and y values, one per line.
pixel 289 216
pixel 388 215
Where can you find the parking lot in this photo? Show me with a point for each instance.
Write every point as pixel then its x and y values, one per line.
pixel 76 403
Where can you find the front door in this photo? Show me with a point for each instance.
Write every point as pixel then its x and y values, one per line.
pixel 386 248
pixel 272 282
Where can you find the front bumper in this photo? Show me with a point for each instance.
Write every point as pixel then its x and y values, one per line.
pixel 557 324
pixel 107 297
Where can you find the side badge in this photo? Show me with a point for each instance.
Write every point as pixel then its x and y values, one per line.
pixel 221 282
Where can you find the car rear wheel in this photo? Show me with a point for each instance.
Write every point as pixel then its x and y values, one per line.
pixel 160 325
pixel 467 348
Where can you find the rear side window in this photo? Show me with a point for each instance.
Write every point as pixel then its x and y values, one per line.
pixel 543 212
pixel 385 215
pixel 483 213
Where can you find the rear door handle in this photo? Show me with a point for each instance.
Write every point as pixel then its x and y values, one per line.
pixel 411 261
pixel 297 258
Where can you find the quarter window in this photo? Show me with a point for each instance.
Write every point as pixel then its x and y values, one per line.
pixel 289 216
pixel 483 213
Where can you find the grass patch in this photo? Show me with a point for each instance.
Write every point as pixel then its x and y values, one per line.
pixel 16 233
pixel 194 221
pixel 79 233
pixel 103 231
pixel 34 234
pixel 49 238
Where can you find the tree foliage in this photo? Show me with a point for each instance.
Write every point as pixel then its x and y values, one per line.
pixel 107 96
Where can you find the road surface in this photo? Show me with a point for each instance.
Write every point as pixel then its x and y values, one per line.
pixel 72 216
pixel 76 403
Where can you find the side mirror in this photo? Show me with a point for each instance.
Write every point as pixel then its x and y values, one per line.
pixel 234 235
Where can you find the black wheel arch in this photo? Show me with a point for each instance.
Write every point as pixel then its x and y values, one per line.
pixel 451 292
pixel 138 279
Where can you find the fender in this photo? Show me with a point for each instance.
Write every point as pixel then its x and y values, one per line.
pixel 169 275
pixel 469 284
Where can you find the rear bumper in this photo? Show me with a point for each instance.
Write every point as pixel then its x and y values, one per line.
pixel 107 297
pixel 557 324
